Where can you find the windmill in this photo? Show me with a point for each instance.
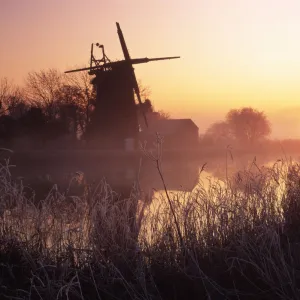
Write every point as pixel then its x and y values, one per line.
pixel 115 117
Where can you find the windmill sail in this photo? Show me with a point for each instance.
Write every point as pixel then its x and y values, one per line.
pixel 116 85
pixel 133 77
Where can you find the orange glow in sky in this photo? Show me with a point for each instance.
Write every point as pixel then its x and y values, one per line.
pixel 234 53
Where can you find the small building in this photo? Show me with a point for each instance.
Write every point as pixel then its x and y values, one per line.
pixel 177 134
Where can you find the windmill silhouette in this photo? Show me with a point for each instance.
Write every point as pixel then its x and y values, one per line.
pixel 115 118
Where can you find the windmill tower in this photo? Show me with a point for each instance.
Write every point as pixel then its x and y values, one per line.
pixel 115 118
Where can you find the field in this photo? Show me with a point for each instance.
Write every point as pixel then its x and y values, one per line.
pixel 235 239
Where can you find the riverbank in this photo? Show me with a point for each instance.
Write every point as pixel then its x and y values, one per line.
pixel 238 241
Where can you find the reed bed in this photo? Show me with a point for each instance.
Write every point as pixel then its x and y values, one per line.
pixel 237 239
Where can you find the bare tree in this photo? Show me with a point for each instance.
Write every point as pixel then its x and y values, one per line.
pixel 12 99
pixel 5 91
pixel 86 101
pixel 42 88
pixel 163 115
pixel 145 91
pixel 69 108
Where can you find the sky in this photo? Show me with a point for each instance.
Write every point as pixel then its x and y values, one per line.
pixel 234 53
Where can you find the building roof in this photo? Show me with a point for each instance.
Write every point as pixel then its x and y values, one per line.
pixel 169 126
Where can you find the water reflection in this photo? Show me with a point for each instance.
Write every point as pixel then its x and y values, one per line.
pixel 196 187
pixel 123 172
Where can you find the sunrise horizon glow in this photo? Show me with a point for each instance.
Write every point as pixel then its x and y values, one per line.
pixel 234 53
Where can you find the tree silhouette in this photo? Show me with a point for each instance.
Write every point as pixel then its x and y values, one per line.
pixel 42 87
pixel 65 100
pixel 163 115
pixel 219 133
pixel 53 105
pixel 86 101
pixel 33 125
pixel 12 99
pixel 151 115
pixel 8 129
pixel 248 125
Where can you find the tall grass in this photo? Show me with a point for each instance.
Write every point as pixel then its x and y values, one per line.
pixel 237 239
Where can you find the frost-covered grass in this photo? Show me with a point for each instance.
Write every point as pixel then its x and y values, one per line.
pixel 234 240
